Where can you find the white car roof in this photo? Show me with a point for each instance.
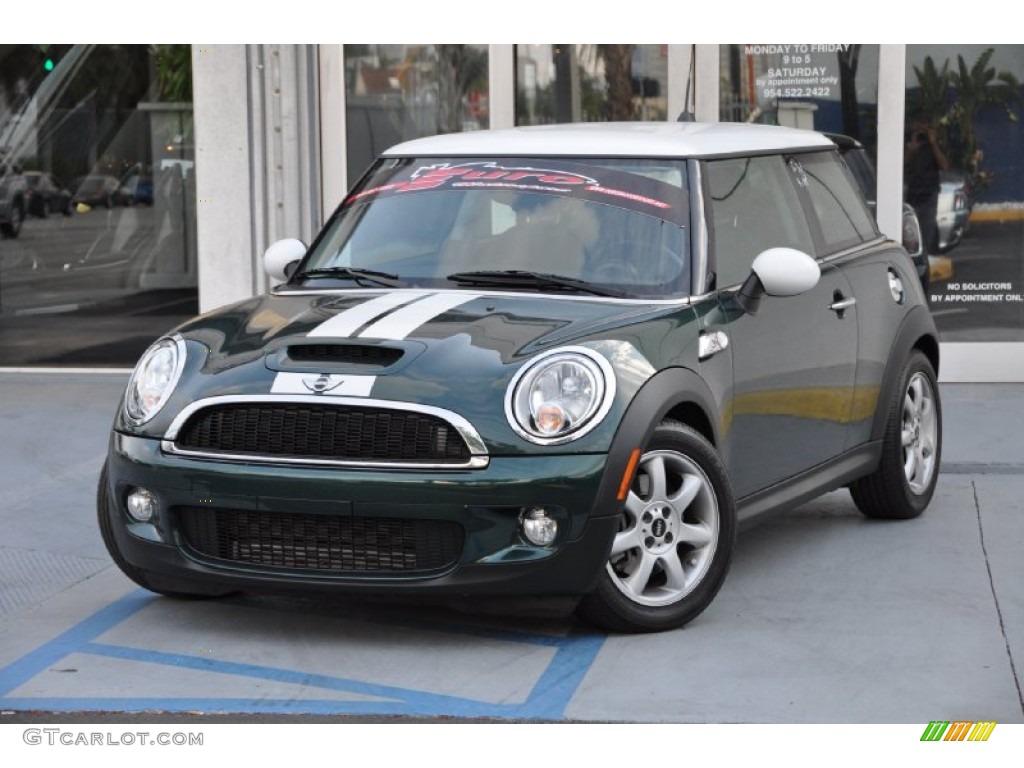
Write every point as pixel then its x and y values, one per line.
pixel 616 140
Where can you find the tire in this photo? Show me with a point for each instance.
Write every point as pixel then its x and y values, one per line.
pixel 675 541
pixel 904 482
pixel 141 577
pixel 11 229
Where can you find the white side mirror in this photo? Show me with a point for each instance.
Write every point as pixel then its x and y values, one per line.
pixel 786 271
pixel 281 258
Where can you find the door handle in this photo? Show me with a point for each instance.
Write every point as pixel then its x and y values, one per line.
pixel 839 306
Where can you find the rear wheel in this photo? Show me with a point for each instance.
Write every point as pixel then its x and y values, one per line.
pixel 675 540
pixel 904 482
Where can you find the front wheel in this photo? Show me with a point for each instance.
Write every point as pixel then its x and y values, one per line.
pixel 905 480
pixel 675 539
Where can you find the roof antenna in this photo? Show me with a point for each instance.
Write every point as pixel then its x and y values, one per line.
pixel 687 115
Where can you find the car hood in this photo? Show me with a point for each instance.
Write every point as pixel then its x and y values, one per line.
pixel 456 350
pixel 511 326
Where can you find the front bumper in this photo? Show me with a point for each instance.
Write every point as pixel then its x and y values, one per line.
pixel 494 558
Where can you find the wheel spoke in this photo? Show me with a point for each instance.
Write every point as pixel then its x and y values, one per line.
pixel 909 408
pixel 637 580
pixel 922 467
pixel 687 493
pixel 916 393
pixel 910 464
pixel 927 447
pixel 675 574
pixel 626 540
pixel 635 505
pixel 656 473
pixel 699 534
pixel 907 437
pixel 927 408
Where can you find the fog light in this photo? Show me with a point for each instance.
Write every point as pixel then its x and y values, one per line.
pixel 141 505
pixel 539 527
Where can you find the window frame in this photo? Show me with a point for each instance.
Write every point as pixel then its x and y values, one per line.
pixel 709 207
pixel 822 248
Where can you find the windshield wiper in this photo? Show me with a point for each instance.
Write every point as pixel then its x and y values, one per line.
pixel 515 277
pixel 354 273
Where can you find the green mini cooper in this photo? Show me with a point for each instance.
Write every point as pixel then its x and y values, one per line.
pixel 564 360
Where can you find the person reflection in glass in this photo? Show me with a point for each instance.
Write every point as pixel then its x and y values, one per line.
pixel 923 162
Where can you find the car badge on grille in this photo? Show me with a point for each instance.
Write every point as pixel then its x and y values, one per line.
pixel 325 382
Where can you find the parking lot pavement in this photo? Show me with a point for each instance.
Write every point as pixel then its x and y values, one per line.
pixel 826 616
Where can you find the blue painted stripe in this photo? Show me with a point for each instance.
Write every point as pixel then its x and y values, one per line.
pixel 554 690
pixel 276 674
pixel 42 658
pixel 548 700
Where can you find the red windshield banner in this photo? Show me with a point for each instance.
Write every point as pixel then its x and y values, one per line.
pixel 626 190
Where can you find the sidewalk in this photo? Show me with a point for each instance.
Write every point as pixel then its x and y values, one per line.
pixel 825 617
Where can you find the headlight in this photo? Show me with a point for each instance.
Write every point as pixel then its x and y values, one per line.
pixel 154 379
pixel 560 395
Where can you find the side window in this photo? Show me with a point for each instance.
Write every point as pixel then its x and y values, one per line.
pixel 754 207
pixel 839 207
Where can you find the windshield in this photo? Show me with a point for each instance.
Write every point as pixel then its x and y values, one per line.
pixel 618 226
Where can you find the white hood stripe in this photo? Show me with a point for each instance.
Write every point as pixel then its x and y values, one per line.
pixel 345 323
pixel 404 321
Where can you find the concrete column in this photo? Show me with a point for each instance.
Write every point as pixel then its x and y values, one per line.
pixel 286 146
pixel 680 80
pixel 501 86
pixel 220 99
pixel 257 160
pixel 708 69
pixel 333 128
pixel 891 94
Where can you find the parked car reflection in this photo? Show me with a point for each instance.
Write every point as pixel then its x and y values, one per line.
pixel 44 195
pixel 96 191
pixel 953 211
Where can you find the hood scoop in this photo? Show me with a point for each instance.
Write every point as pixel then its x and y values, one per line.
pixel 346 354
pixel 341 357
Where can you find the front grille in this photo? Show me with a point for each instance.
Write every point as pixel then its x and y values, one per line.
pixel 313 431
pixel 349 354
pixel 326 544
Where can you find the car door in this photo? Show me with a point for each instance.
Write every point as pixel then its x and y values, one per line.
pixel 794 361
pixel 848 240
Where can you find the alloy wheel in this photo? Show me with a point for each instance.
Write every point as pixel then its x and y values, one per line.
pixel 669 531
pixel 919 433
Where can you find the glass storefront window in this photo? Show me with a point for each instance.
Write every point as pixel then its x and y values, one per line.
pixel 964 174
pixel 831 88
pixel 97 201
pixel 399 92
pixel 590 83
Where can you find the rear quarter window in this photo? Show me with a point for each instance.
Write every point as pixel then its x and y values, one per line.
pixel 838 205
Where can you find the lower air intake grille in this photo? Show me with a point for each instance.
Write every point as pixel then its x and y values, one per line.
pixel 326 544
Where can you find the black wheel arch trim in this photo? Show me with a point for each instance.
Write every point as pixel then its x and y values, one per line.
pixel 916 331
pixel 661 393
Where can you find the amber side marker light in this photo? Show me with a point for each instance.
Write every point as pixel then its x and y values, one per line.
pixel 627 477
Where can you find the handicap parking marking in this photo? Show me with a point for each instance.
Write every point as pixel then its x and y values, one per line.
pixel 548 698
